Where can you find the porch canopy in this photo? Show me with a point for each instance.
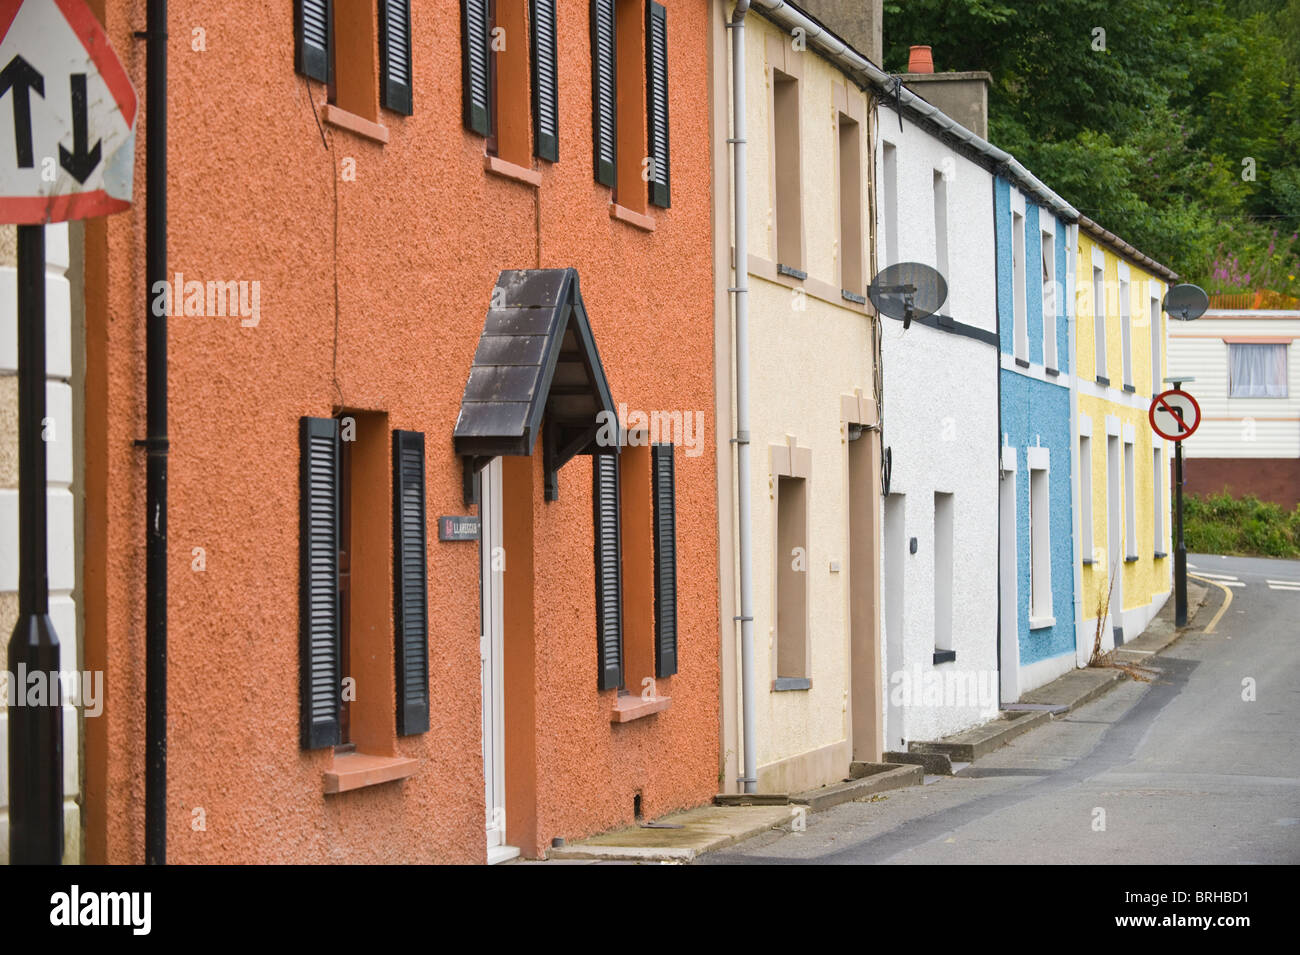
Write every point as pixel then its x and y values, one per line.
pixel 536 368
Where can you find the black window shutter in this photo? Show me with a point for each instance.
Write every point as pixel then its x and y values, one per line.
pixel 603 90
pixel 475 75
pixel 546 126
pixel 395 55
pixel 657 100
pixel 318 582
pixel 609 572
pixel 411 604
pixel 313 33
pixel 665 498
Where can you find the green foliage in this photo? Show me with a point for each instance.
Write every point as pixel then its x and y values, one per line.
pixel 1148 117
pixel 1246 526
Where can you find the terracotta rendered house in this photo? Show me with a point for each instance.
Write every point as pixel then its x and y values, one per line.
pixel 442 534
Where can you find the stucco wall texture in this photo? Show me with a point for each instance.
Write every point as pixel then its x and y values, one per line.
pixel 413 247
pixel 941 420
pixel 1109 410
pixel 1035 411
pixel 800 334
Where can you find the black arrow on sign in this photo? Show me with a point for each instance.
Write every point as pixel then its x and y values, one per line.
pixel 23 78
pixel 79 163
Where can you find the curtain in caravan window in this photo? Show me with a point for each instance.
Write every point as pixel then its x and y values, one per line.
pixel 1256 371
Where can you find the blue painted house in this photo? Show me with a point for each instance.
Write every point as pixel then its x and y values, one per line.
pixel 1036 559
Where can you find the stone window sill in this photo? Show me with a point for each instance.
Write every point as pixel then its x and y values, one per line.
pixel 945 656
pixel 359 770
pixel 784 684
pixel 508 170
pixel 353 123
pixel 637 219
pixel 628 707
pixel 1041 623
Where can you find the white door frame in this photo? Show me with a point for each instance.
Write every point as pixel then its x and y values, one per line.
pixel 1008 526
pixel 492 660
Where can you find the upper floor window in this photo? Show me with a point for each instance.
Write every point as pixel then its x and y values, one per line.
pixel 1049 299
pixel 364 59
pixel 629 92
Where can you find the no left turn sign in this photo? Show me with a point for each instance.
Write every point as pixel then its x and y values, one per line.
pixel 1174 415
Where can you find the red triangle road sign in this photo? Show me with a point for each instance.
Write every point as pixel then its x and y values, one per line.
pixel 67 115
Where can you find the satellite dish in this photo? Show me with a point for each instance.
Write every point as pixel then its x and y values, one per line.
pixel 908 290
pixel 1186 302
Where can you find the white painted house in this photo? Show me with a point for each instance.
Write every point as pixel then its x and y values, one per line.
pixel 940 423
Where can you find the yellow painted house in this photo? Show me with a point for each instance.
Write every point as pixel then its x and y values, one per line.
pixel 1122 521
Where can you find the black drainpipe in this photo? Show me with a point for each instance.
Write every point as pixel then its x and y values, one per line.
pixel 155 731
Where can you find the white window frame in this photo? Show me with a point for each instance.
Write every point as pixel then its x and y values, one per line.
pixel 1047 250
pixel 1040 538
pixel 1099 313
pixel 941 260
pixel 1086 544
pixel 1021 322
pixel 1158 500
pixel 889 179
pixel 1157 340
pixel 1130 497
pixel 1125 325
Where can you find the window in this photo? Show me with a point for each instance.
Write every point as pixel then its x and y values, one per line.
pixel 939 193
pixel 890 175
pixel 1126 333
pixel 850 135
pixel 1157 346
pixel 1257 371
pixel 1018 285
pixel 1049 299
pixel 943 570
pixel 365 62
pixel 1085 498
pixel 509 80
pixel 347 581
pixel 792 579
pixel 629 88
pixel 1040 543
pixel 634 509
pixel 1130 505
pixel 1099 323
pixel 785 150
pixel 1158 504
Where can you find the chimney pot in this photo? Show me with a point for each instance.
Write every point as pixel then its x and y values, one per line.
pixel 919 60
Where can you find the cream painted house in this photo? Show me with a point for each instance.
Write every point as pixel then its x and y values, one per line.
pixel 813 398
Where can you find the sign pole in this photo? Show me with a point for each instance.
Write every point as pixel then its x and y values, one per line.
pixel 36 718
pixel 1180 545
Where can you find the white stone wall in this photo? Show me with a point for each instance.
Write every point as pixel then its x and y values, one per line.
pixel 60 501
pixel 941 423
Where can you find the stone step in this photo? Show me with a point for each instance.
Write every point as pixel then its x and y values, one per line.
pixel 878 777
pixel 969 745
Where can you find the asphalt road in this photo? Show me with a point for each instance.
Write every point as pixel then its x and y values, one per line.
pixel 1182 770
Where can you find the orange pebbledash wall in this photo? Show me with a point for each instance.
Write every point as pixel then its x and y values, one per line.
pixel 373 292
